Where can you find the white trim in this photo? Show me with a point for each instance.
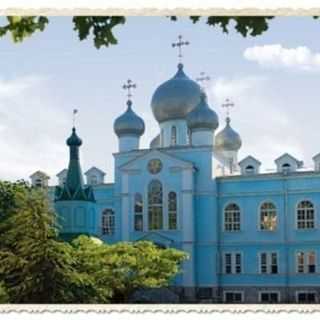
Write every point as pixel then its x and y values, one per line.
pixel 305 262
pixel 233 262
pixel 223 216
pixel 259 216
pixel 306 291
pixel 233 291
pixel 270 292
pixel 296 215
pixel 269 260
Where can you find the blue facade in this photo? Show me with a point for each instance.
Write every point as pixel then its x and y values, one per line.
pixel 251 236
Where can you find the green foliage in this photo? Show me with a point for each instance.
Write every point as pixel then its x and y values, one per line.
pixel 4 298
pixel 101 28
pixel 35 267
pixel 250 25
pixel 125 267
pixel 22 27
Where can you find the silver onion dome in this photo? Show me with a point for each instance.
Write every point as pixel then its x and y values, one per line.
pixel 175 98
pixel 155 142
pixel 202 116
pixel 129 123
pixel 228 139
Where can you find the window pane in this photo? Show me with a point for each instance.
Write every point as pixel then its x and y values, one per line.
pixel 155 214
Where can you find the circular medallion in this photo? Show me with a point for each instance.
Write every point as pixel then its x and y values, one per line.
pixel 154 166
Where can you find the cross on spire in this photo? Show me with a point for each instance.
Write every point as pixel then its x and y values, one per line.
pixel 179 44
pixel 128 86
pixel 74 112
pixel 228 105
pixel 203 77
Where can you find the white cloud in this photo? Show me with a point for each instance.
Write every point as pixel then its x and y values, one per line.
pixel 260 118
pixel 31 128
pixel 275 55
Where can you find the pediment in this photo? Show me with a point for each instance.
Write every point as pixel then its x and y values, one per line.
pixel 174 161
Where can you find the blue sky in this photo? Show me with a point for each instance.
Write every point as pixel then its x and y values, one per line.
pixel 272 80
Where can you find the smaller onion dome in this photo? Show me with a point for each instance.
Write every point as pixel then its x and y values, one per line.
pixel 74 140
pixel 202 116
pixel 129 123
pixel 155 142
pixel 228 139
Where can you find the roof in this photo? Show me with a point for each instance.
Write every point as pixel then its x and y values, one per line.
pixel 40 173
pixel 62 172
pixel 94 169
pixel 287 155
pixel 249 158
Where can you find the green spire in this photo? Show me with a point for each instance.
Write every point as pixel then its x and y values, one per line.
pixel 74 186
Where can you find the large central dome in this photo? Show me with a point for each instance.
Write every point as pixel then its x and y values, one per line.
pixel 175 98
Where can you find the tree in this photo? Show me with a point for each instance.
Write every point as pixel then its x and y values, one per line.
pixel 125 267
pixel 102 28
pixel 35 267
pixel 3 294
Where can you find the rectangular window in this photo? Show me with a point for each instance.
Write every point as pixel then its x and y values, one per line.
pixel 306 262
pixel 269 297
pixel 306 297
pixel 233 296
pixel 232 263
pixel 269 262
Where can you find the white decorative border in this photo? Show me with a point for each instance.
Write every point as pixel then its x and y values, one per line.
pixel 160 8
pixel 161 308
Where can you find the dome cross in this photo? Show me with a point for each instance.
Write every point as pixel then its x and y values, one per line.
pixel 74 112
pixel 179 45
pixel 128 86
pixel 203 77
pixel 228 105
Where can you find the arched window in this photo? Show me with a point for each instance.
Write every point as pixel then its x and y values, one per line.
pixel 155 213
pixel 286 167
pixel 305 215
pixel 232 217
pixel 172 210
pixel 138 212
pixel 268 216
pixel 249 169
pixel 108 222
pixel 173 136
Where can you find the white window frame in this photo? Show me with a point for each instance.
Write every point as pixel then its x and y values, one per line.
pixel 172 212
pixel 306 220
pixel 233 263
pixel 173 137
pixel 136 214
pixel 225 292
pixel 260 216
pixel 233 223
pixel 306 292
pixel 306 261
pixel 108 222
pixel 269 292
pixel 268 262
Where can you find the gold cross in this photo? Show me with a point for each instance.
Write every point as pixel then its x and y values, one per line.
pixel 128 86
pixel 179 44
pixel 203 77
pixel 228 105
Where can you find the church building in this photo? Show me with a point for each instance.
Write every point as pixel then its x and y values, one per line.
pixel 252 237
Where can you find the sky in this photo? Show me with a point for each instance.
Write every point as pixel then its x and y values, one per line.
pixel 273 80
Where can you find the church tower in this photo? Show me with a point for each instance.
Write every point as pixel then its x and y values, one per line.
pixel 75 203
